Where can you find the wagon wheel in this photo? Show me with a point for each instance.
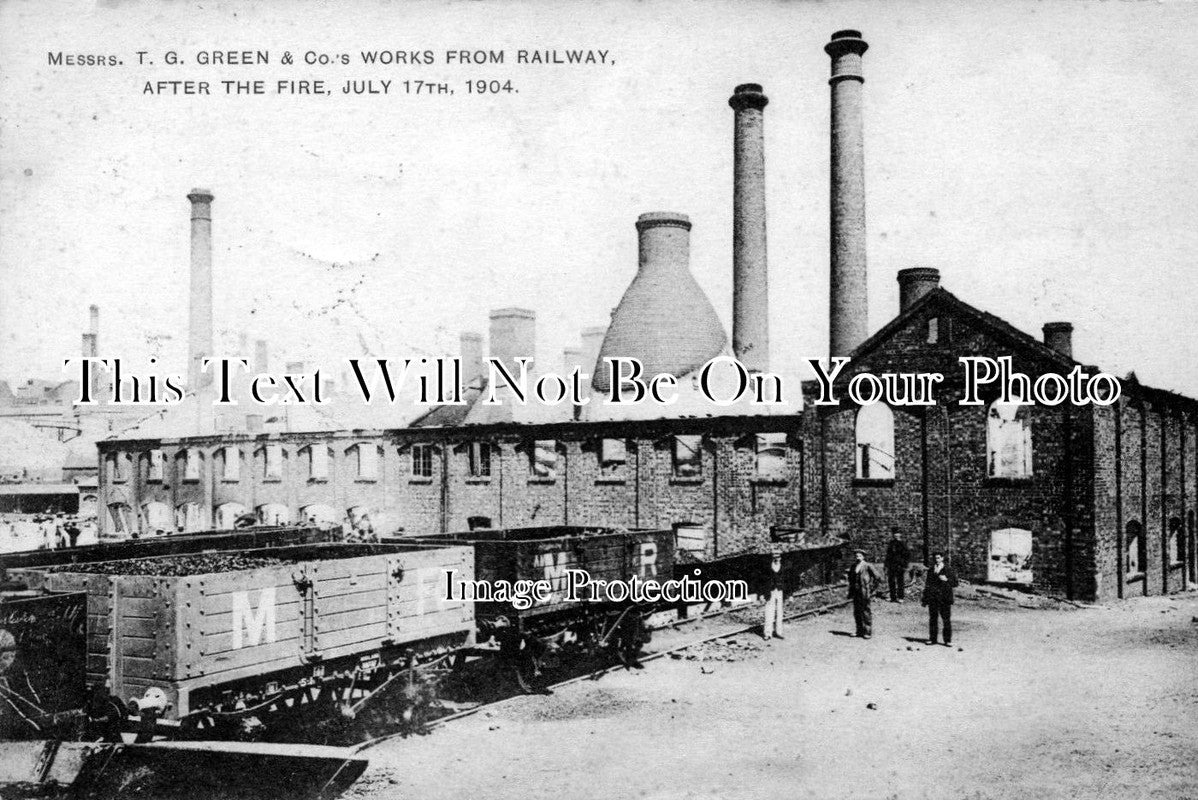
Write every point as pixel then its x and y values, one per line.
pixel 527 665
pixel 628 639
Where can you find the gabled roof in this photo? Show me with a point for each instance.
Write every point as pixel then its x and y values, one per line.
pixel 996 326
pixel 1005 331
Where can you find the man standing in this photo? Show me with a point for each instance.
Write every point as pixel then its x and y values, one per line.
pixel 863 579
pixel 938 597
pixel 897 559
pixel 772 627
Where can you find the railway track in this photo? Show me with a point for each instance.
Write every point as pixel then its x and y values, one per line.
pixel 594 674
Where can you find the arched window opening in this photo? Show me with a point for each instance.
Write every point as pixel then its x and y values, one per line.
pixel 875 442
pixel 1136 548
pixel 1009 441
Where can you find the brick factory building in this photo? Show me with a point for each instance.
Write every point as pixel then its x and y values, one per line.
pixel 1084 501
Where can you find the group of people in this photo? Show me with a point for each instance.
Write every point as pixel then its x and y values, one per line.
pixel 41 532
pixel 863 582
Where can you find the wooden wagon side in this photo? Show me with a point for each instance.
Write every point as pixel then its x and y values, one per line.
pixel 226 640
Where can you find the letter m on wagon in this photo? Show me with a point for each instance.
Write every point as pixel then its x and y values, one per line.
pixel 251 624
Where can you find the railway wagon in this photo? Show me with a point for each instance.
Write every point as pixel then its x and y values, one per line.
pixel 25 565
pixel 533 636
pixel 184 644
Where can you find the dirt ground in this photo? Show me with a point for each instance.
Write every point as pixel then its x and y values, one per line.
pixel 1058 702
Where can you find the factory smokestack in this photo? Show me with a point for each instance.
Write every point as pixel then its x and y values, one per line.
pixel 664 319
pixel 750 281
pixel 471 353
pixel 1059 336
pixel 200 331
pixel 91 348
pixel 914 283
pixel 261 357
pixel 513 335
pixel 849 306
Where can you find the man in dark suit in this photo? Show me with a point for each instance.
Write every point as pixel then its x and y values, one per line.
pixel 863 580
pixel 938 597
pixel 897 559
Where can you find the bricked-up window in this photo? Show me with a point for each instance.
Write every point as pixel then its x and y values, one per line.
pixel 688 456
pixel 318 462
pixel 232 467
pixel 368 462
pixel 1175 546
pixel 613 456
pixel 272 462
pixel 771 455
pixel 422 461
pixel 157 467
pixel 875 442
pixel 543 459
pixel 480 459
pixel 1136 548
pixel 1009 441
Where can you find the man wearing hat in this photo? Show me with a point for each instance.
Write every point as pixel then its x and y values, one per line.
pixel 898 556
pixel 863 580
pixel 938 597
pixel 772 627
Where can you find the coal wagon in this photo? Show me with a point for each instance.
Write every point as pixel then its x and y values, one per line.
pixel 224 644
pixel 533 634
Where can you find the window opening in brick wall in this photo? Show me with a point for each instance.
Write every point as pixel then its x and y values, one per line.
pixel 422 461
pixel 771 455
pixel 1009 441
pixel 875 442
pixel 688 456
pixel 1136 548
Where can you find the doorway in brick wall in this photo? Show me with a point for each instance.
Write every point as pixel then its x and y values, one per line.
pixel 1010 556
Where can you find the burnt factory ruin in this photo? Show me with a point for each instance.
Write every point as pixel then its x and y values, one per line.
pixel 1087 502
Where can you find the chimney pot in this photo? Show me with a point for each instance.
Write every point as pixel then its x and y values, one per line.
pixel 914 283
pixel 513 335
pixel 470 351
pixel 1059 336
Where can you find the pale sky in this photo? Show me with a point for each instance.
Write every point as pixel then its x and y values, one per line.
pixel 1044 156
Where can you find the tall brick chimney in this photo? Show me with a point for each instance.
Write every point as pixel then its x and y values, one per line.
pixel 470 351
pixel 200 319
pixel 750 280
pixel 849 306
pixel 513 335
pixel 91 348
pixel 1059 336
pixel 914 283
